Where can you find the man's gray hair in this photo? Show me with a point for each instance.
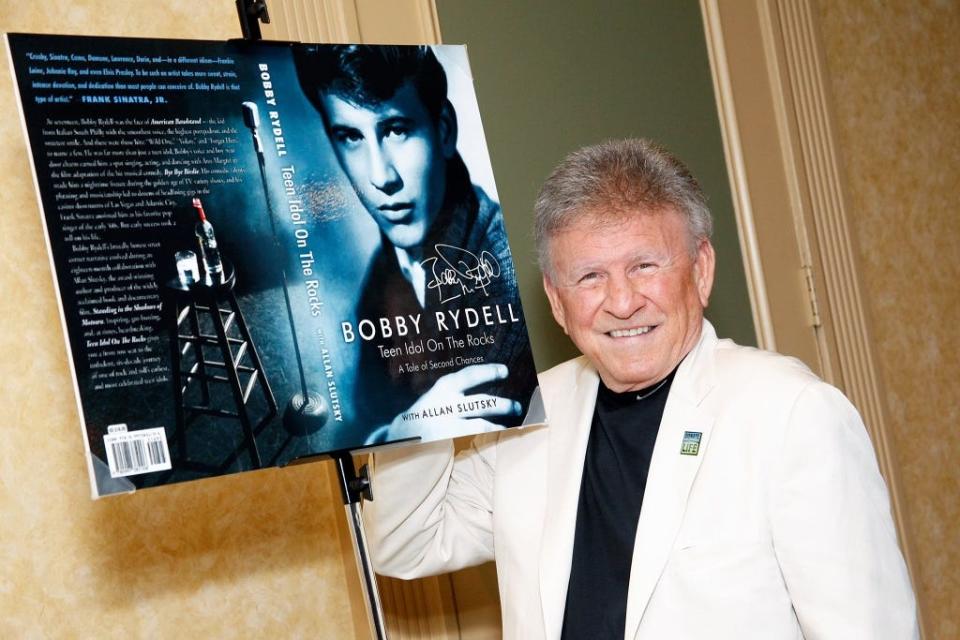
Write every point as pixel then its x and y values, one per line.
pixel 615 180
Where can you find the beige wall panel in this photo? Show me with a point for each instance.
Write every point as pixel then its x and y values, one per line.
pixel 252 555
pixel 896 80
pixel 398 21
pixel 370 21
pixel 312 21
pixel 477 602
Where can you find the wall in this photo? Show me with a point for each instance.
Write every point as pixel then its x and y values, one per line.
pixel 895 82
pixel 552 77
pixel 256 554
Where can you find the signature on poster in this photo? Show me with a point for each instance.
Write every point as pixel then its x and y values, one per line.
pixel 456 272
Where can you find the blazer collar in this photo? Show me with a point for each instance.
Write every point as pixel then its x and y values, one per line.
pixel 672 473
pixel 668 484
pixel 568 434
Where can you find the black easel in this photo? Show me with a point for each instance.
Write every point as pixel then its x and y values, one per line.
pixel 353 487
pixel 251 14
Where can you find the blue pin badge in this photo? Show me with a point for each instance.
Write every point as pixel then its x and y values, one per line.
pixel 691 443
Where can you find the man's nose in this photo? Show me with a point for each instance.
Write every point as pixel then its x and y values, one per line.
pixel 383 173
pixel 623 296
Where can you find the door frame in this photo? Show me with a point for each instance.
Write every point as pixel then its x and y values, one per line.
pixel 775 109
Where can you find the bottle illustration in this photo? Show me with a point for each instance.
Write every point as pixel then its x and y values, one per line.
pixel 210 254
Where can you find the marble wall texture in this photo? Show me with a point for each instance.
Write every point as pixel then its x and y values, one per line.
pixel 894 70
pixel 258 554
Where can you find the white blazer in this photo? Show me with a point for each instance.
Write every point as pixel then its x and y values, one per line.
pixel 778 527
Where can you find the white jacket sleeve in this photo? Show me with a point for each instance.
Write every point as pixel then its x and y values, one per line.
pixel 431 512
pixel 833 533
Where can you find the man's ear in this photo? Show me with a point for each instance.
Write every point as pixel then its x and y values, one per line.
pixel 448 130
pixel 553 295
pixel 703 270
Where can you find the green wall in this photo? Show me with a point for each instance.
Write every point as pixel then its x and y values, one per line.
pixel 554 76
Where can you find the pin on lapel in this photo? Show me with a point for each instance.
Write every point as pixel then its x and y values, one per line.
pixel 691 443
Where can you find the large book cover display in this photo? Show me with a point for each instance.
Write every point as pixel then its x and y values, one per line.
pixel 270 251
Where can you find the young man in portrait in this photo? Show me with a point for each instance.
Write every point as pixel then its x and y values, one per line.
pixel 442 246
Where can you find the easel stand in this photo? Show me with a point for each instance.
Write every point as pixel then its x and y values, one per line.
pixel 353 488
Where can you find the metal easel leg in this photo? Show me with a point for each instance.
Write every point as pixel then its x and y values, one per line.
pixel 353 488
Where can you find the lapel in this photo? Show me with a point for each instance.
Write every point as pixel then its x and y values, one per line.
pixel 671 474
pixel 568 434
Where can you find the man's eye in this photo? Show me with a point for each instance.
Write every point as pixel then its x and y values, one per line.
pixel 589 278
pixel 397 131
pixel 347 136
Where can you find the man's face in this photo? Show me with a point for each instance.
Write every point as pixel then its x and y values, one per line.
pixel 395 157
pixel 630 295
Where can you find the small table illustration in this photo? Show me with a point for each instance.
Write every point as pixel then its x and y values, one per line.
pixel 191 312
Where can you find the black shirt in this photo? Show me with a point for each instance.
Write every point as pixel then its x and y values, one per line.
pixel 615 468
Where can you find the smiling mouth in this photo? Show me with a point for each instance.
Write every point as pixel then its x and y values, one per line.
pixel 629 333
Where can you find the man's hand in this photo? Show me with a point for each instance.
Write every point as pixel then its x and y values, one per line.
pixel 447 410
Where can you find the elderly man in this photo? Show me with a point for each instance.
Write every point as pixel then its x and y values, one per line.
pixel 687 487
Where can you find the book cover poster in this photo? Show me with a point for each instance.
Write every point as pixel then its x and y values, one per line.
pixel 266 252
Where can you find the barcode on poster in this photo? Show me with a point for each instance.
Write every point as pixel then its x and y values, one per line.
pixel 135 452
